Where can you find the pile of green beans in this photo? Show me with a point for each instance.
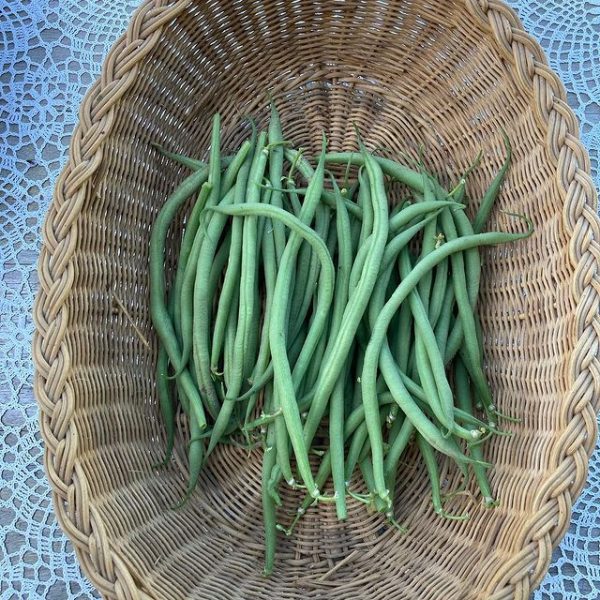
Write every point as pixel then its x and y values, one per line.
pixel 310 317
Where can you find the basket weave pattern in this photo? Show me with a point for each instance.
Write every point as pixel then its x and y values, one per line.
pixel 94 376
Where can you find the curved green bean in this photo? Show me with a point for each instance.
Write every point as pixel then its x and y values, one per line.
pixel 158 309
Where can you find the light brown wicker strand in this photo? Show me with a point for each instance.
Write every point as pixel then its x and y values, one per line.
pixel 82 523
pixel 56 275
pixel 553 502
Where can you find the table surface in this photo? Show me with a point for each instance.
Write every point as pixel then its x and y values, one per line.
pixel 49 57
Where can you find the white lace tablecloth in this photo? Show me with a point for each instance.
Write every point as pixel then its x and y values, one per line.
pixel 50 53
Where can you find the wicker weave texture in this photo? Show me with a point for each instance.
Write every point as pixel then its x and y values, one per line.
pixel 448 74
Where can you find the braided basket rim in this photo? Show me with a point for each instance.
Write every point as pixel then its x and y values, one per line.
pixel 570 453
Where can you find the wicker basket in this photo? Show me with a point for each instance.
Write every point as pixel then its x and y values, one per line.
pixel 450 74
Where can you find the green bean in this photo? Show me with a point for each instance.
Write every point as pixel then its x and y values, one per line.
pixel 282 442
pixel 274 480
pixel 379 331
pixel 366 468
pixel 195 452
pixel 320 480
pixel 184 254
pixel 158 310
pixel 429 360
pixel 404 338
pixel 359 262
pixel 230 331
pixel 189 273
pixel 411 409
pixel 186 290
pixel 299 162
pixel 247 294
pixel 356 445
pixel 460 190
pixel 336 412
pixel 305 252
pixel 459 414
pixel 391 168
pixel 262 420
pixel 465 312
pixel 303 266
pixel 430 240
pixel 472 258
pixel 165 402
pixel 216 271
pixel 219 263
pixel 336 443
pixel 277 332
pixel 364 201
pixel 214 161
pixel 415 211
pixel 293 196
pixel 401 240
pixel 312 373
pixel 356 427
pixel 269 510
pixel 186 161
pixel 275 173
pixel 229 179
pixel 472 262
pixel 202 303
pixel 434 476
pixel 306 288
pixel 231 281
pixel 438 289
pixel 464 401
pixel 339 345
pixel 366 449
pixel 233 169
pixel 248 310
pixel 492 192
pixel 326 277
pixel 357 396
pixel 432 395
pixel 263 361
pixel 355 308
pixel 258 382
pixel 399 442
pixel 350 382
pixel 442 327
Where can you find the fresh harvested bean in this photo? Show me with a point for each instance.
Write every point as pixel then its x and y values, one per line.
pixel 429 360
pixel 165 401
pixel 269 509
pixel 357 305
pixel 158 309
pixel 275 175
pixel 464 400
pixel 396 171
pixel 202 304
pixel 247 298
pixel 492 192
pixel 184 254
pixel 233 269
pixel 434 476
pixel 379 332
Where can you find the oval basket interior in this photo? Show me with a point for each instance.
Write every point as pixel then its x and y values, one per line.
pixel 448 75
